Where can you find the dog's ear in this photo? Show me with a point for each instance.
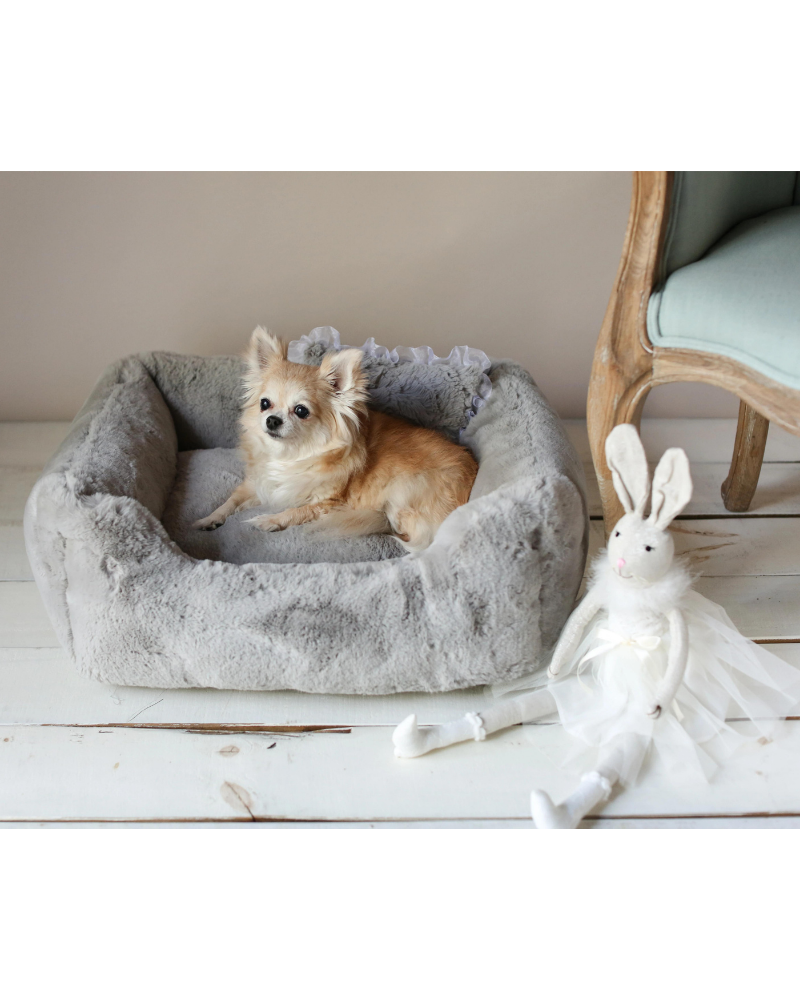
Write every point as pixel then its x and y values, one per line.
pixel 342 371
pixel 264 349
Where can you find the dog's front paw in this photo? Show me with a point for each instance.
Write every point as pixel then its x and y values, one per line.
pixel 210 523
pixel 265 522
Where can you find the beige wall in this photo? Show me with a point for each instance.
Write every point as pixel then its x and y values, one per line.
pixel 95 266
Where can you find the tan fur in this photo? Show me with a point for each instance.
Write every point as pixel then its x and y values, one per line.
pixel 351 469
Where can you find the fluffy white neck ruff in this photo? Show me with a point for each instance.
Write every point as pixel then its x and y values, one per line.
pixel 630 597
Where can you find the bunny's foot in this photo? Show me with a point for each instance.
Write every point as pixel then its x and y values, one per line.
pixel 593 789
pixel 411 741
pixel 547 815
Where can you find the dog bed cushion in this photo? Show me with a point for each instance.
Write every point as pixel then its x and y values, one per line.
pixel 137 597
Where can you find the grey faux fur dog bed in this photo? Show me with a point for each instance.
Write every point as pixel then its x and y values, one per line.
pixel 137 597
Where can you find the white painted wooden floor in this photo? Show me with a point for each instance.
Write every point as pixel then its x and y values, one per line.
pixel 74 751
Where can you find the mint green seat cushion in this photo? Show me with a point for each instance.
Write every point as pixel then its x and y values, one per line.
pixel 741 299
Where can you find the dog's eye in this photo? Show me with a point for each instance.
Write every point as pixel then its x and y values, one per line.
pixel 265 404
pixel 648 548
pixel 301 411
pixel 616 534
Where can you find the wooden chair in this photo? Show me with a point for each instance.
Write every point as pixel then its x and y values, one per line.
pixel 708 290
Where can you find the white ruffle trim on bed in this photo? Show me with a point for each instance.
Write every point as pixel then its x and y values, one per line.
pixel 459 357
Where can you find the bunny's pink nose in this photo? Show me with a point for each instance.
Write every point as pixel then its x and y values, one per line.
pixel 620 563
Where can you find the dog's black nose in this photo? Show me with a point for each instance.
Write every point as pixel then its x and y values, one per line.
pixel 273 423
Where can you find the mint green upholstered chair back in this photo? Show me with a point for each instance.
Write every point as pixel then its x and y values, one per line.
pixel 707 204
pixel 730 271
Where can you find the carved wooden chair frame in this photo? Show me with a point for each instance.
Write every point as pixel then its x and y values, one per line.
pixel 627 366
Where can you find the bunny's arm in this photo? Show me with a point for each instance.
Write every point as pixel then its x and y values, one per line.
pixel 676 664
pixel 573 632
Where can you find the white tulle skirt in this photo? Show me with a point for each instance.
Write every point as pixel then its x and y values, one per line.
pixel 611 685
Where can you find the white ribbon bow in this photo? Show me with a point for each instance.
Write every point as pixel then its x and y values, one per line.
pixel 641 644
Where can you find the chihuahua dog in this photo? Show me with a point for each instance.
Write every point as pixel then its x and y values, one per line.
pixel 311 445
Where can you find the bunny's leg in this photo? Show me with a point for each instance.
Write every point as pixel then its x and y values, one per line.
pixel 595 787
pixel 411 741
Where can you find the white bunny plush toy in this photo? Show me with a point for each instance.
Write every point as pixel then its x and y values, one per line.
pixel 644 663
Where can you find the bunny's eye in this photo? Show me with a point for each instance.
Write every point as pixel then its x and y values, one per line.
pixel 648 548
pixel 616 534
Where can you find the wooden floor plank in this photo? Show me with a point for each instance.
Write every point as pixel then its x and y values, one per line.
pixel 761 607
pixel 16 482
pixel 777 494
pixel 56 773
pixel 23 620
pixel 636 823
pixel 41 686
pixel 703 440
pixel 30 443
pixel 739 546
pixel 14 563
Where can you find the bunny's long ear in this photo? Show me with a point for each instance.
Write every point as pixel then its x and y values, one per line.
pixel 672 487
pixel 626 459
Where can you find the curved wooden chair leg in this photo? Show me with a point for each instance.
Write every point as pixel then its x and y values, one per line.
pixel 748 454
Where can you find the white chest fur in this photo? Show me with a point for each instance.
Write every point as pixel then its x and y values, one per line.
pixel 284 483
